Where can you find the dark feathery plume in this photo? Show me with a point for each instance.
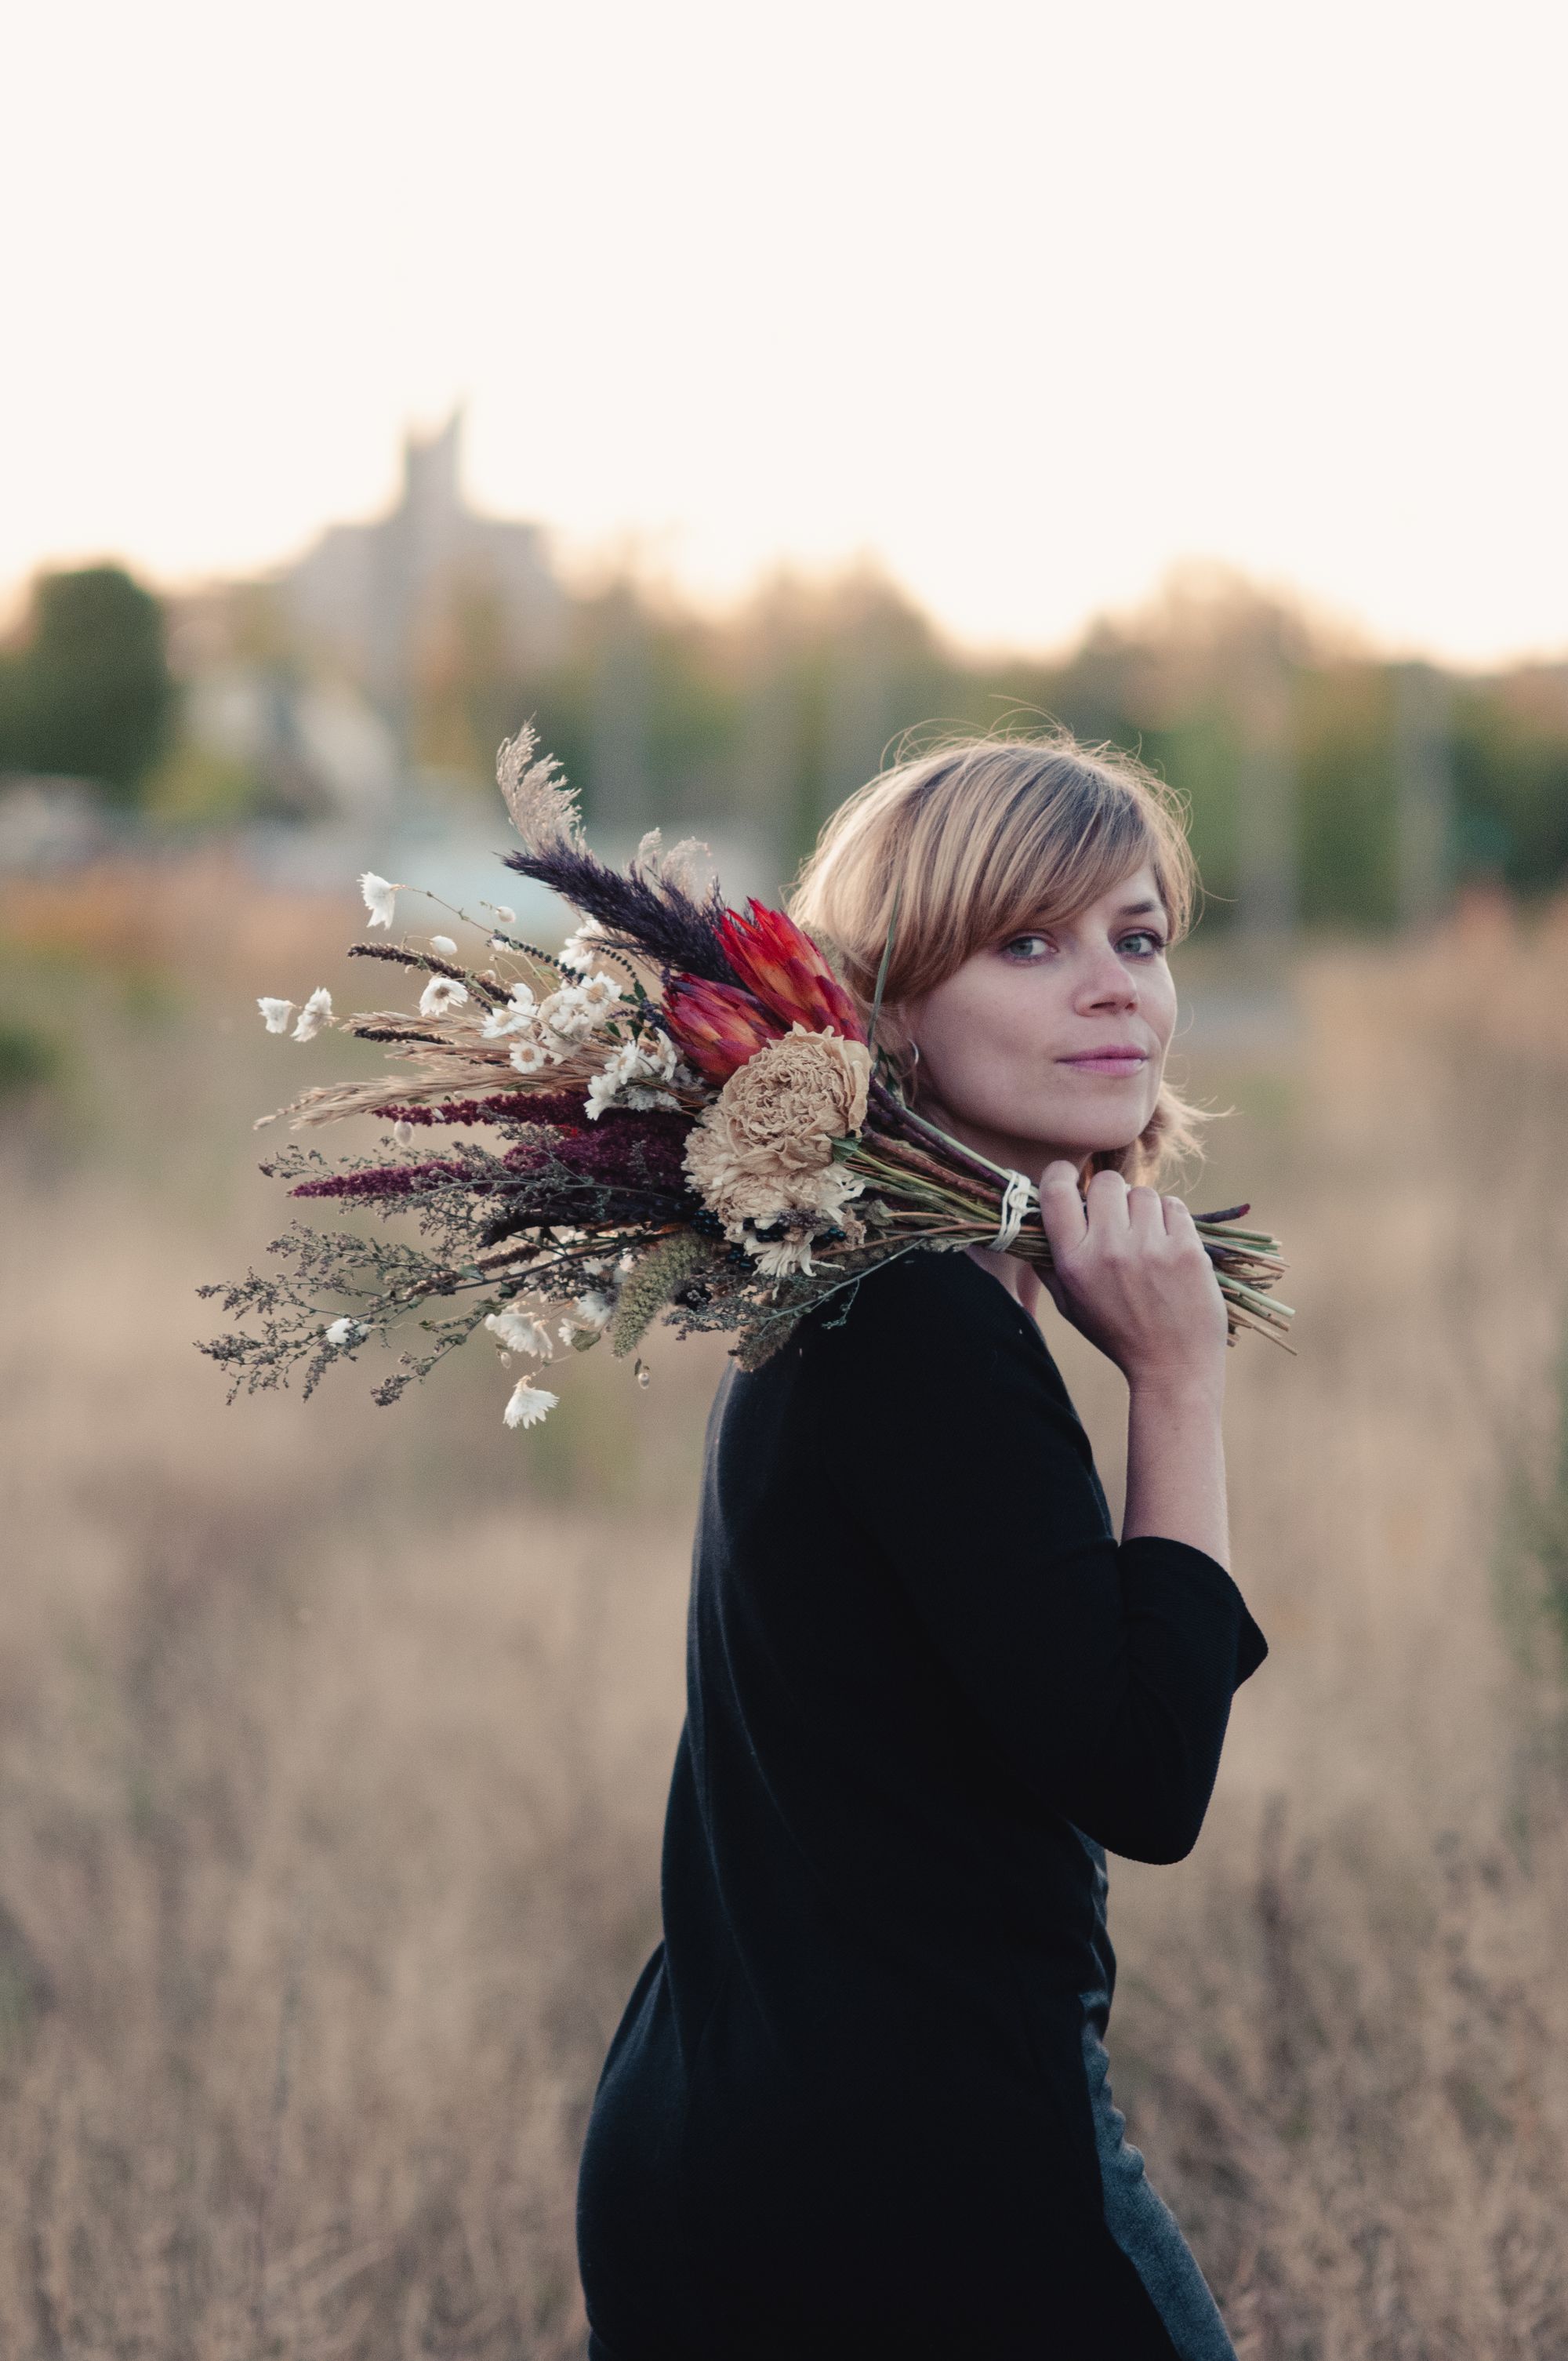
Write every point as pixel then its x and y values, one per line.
pixel 433 965
pixel 659 922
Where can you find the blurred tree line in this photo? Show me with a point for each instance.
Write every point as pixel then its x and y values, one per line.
pixel 85 689
pixel 1349 789
pixel 1325 784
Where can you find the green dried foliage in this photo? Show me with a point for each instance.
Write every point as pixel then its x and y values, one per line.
pixel 651 1283
pixel 758 1344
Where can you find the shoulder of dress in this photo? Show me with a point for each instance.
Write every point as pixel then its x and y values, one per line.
pixel 922 1302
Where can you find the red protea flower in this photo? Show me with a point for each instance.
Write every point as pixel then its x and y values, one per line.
pixel 783 966
pixel 715 1025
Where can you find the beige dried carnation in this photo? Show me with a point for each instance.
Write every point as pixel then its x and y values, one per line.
pixel 765 1146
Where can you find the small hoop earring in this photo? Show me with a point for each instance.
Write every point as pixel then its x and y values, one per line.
pixel 915 1046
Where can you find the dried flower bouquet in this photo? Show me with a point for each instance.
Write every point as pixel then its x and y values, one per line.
pixel 681 1116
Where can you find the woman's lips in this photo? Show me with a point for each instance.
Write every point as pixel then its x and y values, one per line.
pixel 1107 1062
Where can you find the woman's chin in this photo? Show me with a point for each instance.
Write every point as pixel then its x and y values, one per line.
pixel 1079 1146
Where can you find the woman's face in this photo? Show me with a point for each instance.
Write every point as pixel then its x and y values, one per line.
pixel 1016 1049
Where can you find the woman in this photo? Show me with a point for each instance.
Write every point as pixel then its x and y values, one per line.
pixel 858 2104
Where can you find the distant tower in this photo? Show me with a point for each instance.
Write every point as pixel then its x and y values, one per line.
pixel 432 495
pixel 416 551
pixel 367 598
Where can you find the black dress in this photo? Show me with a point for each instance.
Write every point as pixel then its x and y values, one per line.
pixel 858 2104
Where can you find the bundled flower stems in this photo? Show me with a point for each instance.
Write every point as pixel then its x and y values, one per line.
pixel 679 1116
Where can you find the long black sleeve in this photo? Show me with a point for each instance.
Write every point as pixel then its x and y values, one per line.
pixel 1104 1671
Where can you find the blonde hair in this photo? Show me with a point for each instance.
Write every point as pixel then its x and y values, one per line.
pixel 979 838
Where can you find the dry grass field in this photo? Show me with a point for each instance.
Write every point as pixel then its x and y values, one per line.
pixel 333 1740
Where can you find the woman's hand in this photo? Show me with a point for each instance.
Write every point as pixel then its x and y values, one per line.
pixel 1132 1275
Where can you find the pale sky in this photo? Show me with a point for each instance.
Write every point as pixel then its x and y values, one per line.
pixel 1028 300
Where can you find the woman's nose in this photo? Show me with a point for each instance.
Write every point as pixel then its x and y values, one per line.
pixel 1109 982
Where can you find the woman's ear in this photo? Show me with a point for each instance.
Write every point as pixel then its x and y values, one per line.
pixel 895 1033
pixel 898 1022
pixel 896 1040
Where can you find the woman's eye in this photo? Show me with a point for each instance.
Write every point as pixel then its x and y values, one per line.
pixel 1156 942
pixel 1026 947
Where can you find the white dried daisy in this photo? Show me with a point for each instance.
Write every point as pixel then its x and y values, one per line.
pixel 568 1013
pixel 782 1257
pixel 276 1014
pixel 316 1011
pixel 444 946
pixel 588 1316
pixel 515 1332
pixel 529 1404
pixel 631 1075
pixel 517 1016
pixel 528 1057
pixel 380 897
pixel 441 994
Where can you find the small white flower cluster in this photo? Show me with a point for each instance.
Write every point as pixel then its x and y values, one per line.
pixel 590 1315
pixel 631 1075
pixel 316 1011
pixel 516 1331
pixel 519 1015
pixel 577 950
pixel 520 1329
pixel 577 1010
pixel 543 1032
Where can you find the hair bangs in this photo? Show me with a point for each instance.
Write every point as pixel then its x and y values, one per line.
pixel 1061 858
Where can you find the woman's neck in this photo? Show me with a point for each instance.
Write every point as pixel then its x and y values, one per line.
pixel 1027 1156
pixel 1013 1155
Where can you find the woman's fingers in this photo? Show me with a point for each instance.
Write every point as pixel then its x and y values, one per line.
pixel 1062 1215
pixel 1130 1271
pixel 1178 1218
pixel 1145 1214
pixel 1107 1203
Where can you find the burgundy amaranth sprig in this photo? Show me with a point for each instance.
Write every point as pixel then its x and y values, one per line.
pixel 647 1149
pixel 383 1182
pixel 502 1106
